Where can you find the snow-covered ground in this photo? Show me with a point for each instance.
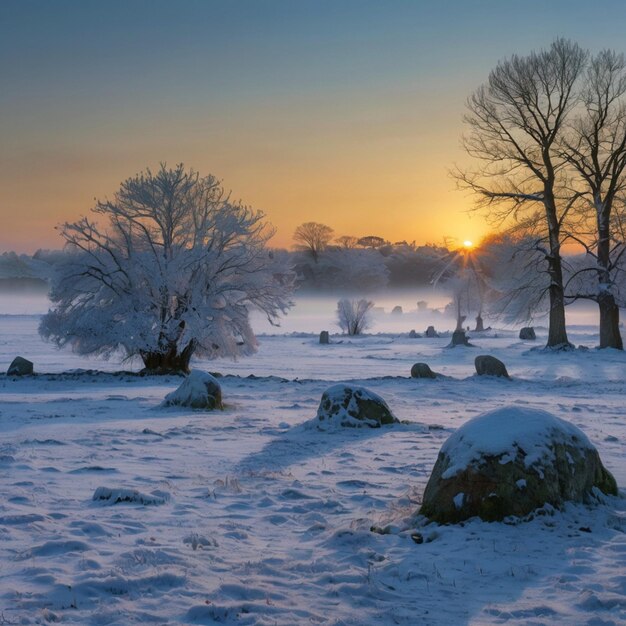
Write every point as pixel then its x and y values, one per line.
pixel 244 516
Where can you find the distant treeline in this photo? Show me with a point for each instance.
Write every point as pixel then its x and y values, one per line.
pixel 334 269
pixel 367 269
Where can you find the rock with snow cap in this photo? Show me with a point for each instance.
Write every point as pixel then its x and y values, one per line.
pixel 353 407
pixel 512 461
pixel 199 390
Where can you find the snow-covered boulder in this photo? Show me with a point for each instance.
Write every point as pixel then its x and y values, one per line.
pixel 422 370
pixel 199 390
pixel 487 365
pixel 20 367
pixel 431 333
pixel 353 407
pixel 512 461
pixel 527 333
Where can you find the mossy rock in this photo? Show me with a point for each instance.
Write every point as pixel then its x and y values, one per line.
pixel 354 407
pixel 534 459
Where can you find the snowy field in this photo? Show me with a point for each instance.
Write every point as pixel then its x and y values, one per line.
pixel 248 517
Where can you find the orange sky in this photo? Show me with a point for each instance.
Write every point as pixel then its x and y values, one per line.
pixel 344 112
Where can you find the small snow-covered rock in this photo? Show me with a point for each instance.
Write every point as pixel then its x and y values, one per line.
pixel 199 390
pixel 422 370
pixel 352 406
pixel 431 333
pixel 459 338
pixel 512 461
pixel 115 496
pixel 20 367
pixel 527 333
pixel 487 365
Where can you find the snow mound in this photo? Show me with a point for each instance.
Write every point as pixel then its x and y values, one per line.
pixel 352 406
pixel 512 461
pixel 115 496
pixel 199 390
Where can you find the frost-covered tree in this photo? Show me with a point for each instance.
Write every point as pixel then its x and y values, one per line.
pixel 168 268
pixel 516 277
pixel 515 121
pixel 353 316
pixel 313 237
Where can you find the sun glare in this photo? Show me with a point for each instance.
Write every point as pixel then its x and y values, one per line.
pixel 468 244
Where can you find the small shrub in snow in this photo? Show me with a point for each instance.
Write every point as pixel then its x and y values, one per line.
pixel 199 390
pixel 353 316
pixel 512 461
pixel 353 407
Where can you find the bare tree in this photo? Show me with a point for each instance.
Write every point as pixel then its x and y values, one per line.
pixel 515 122
pixel 353 315
pixel 313 237
pixel 347 241
pixel 595 148
pixel 170 269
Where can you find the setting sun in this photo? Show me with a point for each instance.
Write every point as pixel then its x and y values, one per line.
pixel 468 244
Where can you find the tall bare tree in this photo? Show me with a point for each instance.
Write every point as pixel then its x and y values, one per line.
pixel 515 122
pixel 313 237
pixel 595 147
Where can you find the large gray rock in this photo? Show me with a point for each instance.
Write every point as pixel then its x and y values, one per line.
pixel 512 461
pixel 422 370
pixel 324 337
pixel 527 333
pixel 431 333
pixel 20 367
pixel 353 407
pixel 487 365
pixel 199 390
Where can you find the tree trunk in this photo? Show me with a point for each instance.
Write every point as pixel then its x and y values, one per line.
pixel 169 362
pixel 557 332
pixel 610 336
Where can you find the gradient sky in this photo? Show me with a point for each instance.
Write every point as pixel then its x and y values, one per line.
pixel 339 111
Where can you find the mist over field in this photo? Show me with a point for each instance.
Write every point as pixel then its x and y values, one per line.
pixel 314 312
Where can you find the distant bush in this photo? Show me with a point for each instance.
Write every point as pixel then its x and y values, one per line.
pixel 353 316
